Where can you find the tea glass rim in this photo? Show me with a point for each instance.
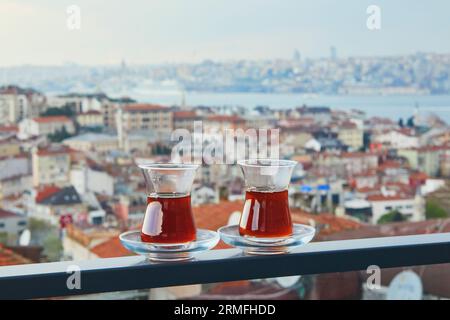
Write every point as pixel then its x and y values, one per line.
pixel 168 166
pixel 256 162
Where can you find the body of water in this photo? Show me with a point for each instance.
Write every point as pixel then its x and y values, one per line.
pixel 394 107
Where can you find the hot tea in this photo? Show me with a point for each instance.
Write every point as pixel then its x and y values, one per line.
pixel 266 215
pixel 168 219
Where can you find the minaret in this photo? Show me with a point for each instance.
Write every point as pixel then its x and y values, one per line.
pixel 183 100
pixel 416 114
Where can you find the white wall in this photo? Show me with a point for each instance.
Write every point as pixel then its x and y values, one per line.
pixel 10 167
pixel 412 207
pixel 87 180
pixel 11 225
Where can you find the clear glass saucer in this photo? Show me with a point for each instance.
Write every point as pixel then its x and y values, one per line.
pixel 301 234
pixel 205 240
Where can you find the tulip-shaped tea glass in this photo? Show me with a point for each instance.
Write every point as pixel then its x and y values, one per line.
pixel 266 226
pixel 168 232
pixel 168 217
pixel 266 209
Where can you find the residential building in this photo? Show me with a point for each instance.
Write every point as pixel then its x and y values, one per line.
pixel 44 126
pixel 345 163
pixel 445 164
pixel 397 139
pixel 79 241
pixel 52 203
pixel 14 166
pixel 351 135
pixel 98 102
pixel 204 194
pixel 87 179
pixel 411 206
pixel 9 146
pixel 51 165
pixel 321 115
pixel 149 117
pixel 219 123
pixel 11 225
pixel 257 121
pixel 14 185
pixel 185 119
pixel 17 104
pixel 427 159
pixel 92 118
pixel 97 142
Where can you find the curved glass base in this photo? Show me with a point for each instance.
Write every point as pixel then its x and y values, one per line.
pixel 301 234
pixel 206 240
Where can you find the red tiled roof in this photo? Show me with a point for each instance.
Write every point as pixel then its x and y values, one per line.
pixel 6 214
pixel 10 258
pixel 389 165
pixel 380 197
pixel 46 192
pixel 111 248
pixel 52 119
pixel 418 176
pixel 54 150
pixel 90 112
pixel 185 115
pixel 433 148
pixel 225 118
pixel 347 125
pixel 144 107
pixel 329 223
pixel 357 154
pixel 9 128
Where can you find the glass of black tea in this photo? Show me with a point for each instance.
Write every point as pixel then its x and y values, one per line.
pixel 266 209
pixel 168 217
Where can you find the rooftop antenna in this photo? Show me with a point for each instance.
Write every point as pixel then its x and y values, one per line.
pixel 416 114
pixel 183 99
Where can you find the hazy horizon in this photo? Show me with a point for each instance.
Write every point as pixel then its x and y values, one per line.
pixel 176 31
pixel 116 63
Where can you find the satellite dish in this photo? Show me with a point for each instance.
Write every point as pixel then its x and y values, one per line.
pixel 25 238
pixel 287 282
pixel 405 286
pixel 234 218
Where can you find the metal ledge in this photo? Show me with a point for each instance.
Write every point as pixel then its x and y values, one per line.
pixel 128 273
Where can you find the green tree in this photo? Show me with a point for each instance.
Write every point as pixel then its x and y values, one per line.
pixel 47 235
pixel 392 216
pixel 3 238
pixel 66 110
pixel 53 247
pixel 59 135
pixel 434 211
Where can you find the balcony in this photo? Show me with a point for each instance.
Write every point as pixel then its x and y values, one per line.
pixel 129 273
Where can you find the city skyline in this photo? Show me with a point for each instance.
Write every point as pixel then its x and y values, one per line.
pixel 218 31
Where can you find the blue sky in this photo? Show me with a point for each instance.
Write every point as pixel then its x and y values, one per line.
pixel 154 31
